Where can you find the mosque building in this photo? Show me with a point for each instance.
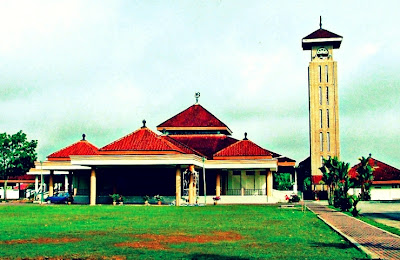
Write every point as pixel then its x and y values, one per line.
pixel 193 156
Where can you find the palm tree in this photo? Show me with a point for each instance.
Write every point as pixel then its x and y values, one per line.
pixel 335 175
pixel 365 176
pixel 329 176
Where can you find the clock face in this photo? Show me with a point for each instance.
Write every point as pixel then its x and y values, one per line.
pixel 322 53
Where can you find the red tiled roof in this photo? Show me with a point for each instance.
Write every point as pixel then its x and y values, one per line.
pixel 322 33
pixel 82 147
pixel 195 116
pixel 316 179
pixel 382 171
pixel 143 139
pixel 184 147
pixel 207 144
pixel 243 148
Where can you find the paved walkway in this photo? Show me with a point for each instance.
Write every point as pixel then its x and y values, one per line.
pixel 376 242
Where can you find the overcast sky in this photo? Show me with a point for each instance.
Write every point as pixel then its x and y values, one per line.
pixel 101 67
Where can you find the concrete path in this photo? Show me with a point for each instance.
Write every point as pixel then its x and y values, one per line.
pixel 377 243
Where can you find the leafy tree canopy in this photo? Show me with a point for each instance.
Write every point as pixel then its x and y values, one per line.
pixel 17 154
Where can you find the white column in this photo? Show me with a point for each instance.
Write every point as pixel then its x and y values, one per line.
pixel 218 185
pixel 51 183
pixel 36 183
pixel 93 187
pixel 269 183
pixel 66 183
pixel 295 182
pixel 191 187
pixel 178 186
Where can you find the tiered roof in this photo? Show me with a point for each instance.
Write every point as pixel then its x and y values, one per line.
pixel 82 147
pixel 195 131
pixel 206 144
pixel 144 141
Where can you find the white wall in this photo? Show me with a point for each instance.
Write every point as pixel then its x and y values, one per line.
pixel 384 193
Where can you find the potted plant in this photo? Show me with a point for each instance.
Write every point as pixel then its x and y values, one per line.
pixel 146 200
pixel 70 199
pixel 121 200
pixel 115 197
pixel 159 199
pixel 216 199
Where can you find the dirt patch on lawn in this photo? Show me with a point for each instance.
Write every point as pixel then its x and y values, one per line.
pixel 162 242
pixel 42 240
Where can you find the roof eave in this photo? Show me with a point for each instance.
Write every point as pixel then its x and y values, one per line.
pixel 307 44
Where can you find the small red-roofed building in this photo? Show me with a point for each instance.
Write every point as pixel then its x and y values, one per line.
pixel 59 174
pixel 193 157
pixel 386 182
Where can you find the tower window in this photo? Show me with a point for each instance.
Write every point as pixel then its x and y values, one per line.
pixel 328 141
pixel 326 73
pixel 327 118
pixel 320 73
pixel 320 118
pixel 327 95
pixel 321 141
pixel 320 95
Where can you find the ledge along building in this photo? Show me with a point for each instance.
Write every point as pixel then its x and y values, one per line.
pixel 323 99
pixel 194 156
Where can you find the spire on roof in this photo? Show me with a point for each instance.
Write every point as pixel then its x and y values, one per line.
pixel 245 136
pixel 144 123
pixel 83 137
pixel 320 22
pixel 197 95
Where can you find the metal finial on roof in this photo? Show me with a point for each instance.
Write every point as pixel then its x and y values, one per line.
pixel 370 154
pixel 144 123
pixel 83 137
pixel 320 22
pixel 245 136
pixel 197 95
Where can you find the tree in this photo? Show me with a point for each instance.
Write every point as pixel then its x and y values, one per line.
pixel 282 181
pixel 17 155
pixel 365 177
pixel 335 175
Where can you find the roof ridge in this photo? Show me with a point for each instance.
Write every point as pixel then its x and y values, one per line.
pixel 119 139
pixel 186 146
pixel 168 143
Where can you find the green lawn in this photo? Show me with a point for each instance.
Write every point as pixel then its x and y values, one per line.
pixel 132 232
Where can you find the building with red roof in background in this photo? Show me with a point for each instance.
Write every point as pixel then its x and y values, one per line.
pixel 386 182
pixel 193 156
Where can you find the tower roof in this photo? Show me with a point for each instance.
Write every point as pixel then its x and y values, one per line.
pixel 196 119
pixel 82 147
pixel 321 37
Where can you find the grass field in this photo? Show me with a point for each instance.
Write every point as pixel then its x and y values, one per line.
pixel 139 232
